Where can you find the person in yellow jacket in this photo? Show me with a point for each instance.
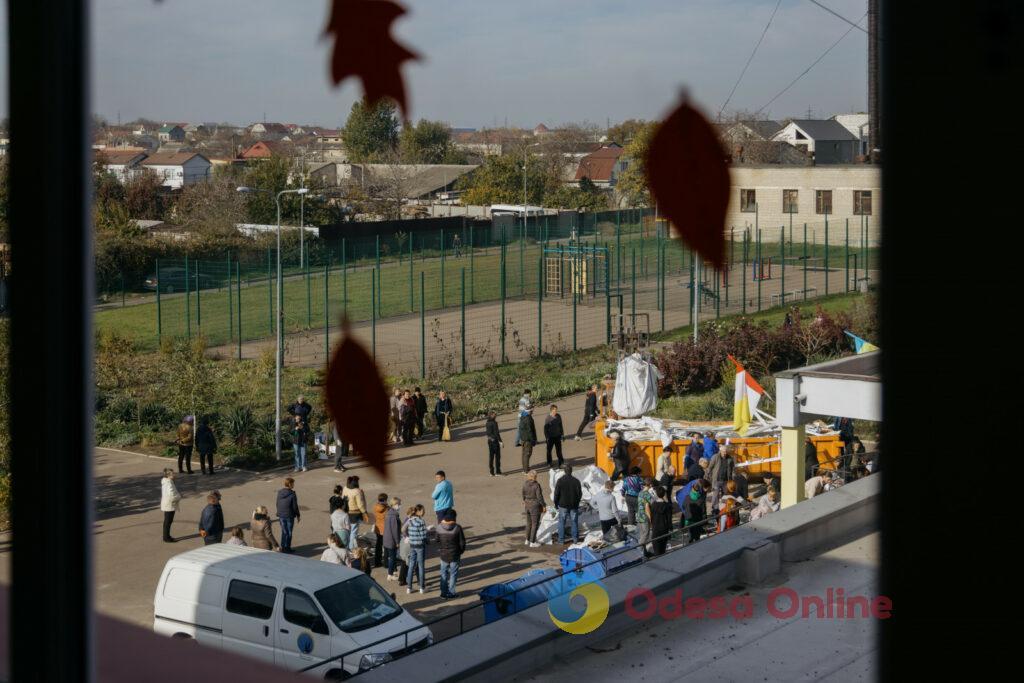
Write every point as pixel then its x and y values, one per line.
pixel 185 442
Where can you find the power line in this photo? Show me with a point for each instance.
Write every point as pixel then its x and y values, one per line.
pixel 813 64
pixel 837 14
pixel 749 60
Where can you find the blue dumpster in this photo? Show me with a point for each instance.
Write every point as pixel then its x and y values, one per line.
pixel 602 562
pixel 532 588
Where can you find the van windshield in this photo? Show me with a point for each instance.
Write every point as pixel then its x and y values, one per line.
pixel 357 604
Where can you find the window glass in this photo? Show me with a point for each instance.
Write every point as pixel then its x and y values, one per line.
pixel 823 201
pixel 357 604
pixel 789 201
pixel 299 609
pixel 862 202
pixel 251 599
pixel 748 200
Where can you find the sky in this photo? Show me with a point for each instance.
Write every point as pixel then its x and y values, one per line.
pixel 484 62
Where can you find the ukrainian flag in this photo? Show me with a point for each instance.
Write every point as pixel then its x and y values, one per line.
pixel 859 345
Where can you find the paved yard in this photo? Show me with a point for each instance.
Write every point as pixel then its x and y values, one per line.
pixel 130 554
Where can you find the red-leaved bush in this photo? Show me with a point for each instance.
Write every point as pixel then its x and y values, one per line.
pixel 763 349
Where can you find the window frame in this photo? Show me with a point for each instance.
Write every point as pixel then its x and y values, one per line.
pixel 746 205
pixel 819 196
pixel 319 625
pixel 228 606
pixel 858 202
pixel 794 206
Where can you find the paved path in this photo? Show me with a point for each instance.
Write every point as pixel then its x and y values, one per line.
pixel 130 554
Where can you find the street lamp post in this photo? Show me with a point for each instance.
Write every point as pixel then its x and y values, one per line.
pixel 279 356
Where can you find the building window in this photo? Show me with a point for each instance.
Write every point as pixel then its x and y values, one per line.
pixel 789 201
pixel 862 202
pixel 823 201
pixel 748 201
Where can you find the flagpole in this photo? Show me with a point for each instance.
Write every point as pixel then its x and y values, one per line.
pixel 696 296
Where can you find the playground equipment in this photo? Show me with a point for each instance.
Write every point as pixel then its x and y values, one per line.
pixel 574 270
pixel 761 269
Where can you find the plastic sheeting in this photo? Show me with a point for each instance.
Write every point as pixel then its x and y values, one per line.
pixel 592 479
pixel 636 387
pixel 532 588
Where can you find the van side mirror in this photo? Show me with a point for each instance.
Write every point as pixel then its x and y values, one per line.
pixel 393 597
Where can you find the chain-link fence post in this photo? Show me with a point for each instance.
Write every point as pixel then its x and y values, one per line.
pixel 743 270
pixel 462 321
pixel 502 275
pixel 309 295
pixel 159 312
pixel 867 245
pixel 846 251
pixel 423 324
pixel 122 288
pixel 826 253
pixel 231 303
pixel 270 295
pixel 540 304
pixel 344 278
pixel 327 315
pixel 782 257
pixel 805 262
pixel 607 296
pixel 760 259
pixel 412 290
pixel 188 302
pixel 575 290
pixel 618 248
pixel 238 283
pixel 632 252
pixel 472 273
pixel 442 267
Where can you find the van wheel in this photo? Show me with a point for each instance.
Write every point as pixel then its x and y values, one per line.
pixel 337 675
pixel 182 636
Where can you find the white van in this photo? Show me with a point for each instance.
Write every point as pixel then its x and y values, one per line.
pixel 286 610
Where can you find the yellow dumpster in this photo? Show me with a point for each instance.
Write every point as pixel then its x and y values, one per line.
pixel 761 452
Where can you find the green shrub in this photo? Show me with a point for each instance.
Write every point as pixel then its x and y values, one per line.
pixel 157 416
pixel 121 409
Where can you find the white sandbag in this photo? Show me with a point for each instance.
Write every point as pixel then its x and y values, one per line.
pixel 548 526
pixel 636 387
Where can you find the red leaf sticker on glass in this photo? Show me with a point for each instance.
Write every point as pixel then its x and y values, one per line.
pixel 363 47
pixel 358 401
pixel 688 176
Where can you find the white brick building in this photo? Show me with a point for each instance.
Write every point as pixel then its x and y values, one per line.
pixel 773 196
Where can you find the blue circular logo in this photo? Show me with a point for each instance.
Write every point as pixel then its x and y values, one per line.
pixel 305 643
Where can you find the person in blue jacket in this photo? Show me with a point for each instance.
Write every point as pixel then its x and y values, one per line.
pixel 710 446
pixel 443 495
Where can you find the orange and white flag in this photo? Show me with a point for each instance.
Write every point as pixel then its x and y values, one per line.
pixel 748 395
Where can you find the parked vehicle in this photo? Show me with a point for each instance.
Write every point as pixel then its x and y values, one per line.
pixel 282 609
pixel 172 279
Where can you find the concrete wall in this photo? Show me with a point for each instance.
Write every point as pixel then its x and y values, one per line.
pixel 749 554
pixel 770 181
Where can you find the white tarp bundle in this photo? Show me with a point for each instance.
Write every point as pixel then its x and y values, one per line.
pixel 636 387
pixel 592 479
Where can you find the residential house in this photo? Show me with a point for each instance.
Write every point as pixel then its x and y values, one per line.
pixel 171 133
pixel 858 126
pixel 268 131
pixel 123 163
pixel 602 166
pixel 399 181
pixel 178 169
pixel 826 140
pixel 265 149
pixel 541 130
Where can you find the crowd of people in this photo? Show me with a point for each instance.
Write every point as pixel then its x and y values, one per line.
pixel 398 544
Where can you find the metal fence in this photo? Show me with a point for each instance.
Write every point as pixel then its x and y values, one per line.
pixel 443 301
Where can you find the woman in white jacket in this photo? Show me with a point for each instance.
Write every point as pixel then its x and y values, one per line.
pixel 169 498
